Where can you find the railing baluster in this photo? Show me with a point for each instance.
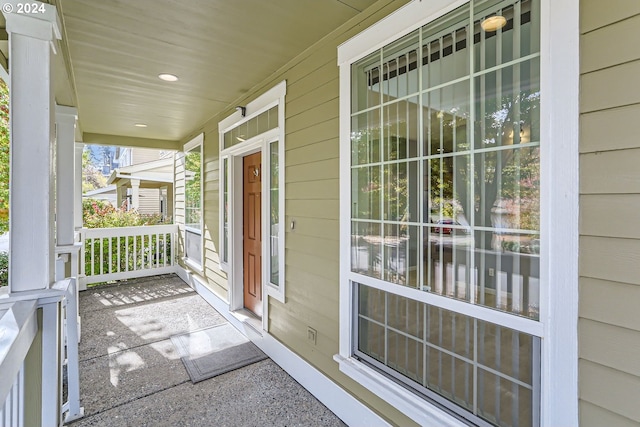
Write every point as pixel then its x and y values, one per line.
pixel 110 256
pixel 135 254
pixel 101 255
pixel 93 251
pixel 150 252
pixel 118 250
pixel 164 249
pixel 157 254
pixel 172 243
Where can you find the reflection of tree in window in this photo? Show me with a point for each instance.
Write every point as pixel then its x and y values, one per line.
pixel 192 189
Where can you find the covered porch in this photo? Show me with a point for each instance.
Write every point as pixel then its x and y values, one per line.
pixel 86 74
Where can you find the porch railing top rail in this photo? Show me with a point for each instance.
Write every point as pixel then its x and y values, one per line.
pixel 129 231
pixel 18 328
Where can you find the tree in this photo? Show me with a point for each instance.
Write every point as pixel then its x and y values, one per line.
pixel 92 177
pixel 4 157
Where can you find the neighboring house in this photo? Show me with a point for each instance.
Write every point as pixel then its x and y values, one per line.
pixel 144 179
pixel 318 171
pixel 107 193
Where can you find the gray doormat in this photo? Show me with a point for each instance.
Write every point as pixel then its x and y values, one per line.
pixel 214 351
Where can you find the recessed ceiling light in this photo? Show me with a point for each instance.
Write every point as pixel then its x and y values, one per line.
pixel 140 125
pixel 168 77
pixel 493 23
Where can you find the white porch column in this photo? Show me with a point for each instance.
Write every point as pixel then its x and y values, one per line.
pixel 77 186
pixel 135 194
pixel 66 125
pixel 31 41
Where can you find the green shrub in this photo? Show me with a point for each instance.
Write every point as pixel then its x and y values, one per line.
pixel 134 251
pixel 4 269
pixel 101 214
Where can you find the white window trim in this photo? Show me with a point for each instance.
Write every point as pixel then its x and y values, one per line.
pixel 274 96
pixel 559 199
pixel 197 141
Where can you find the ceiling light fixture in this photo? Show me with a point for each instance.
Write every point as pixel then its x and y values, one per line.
pixel 493 23
pixel 168 77
pixel 140 125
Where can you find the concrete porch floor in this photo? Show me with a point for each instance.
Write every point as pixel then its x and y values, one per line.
pixel 131 375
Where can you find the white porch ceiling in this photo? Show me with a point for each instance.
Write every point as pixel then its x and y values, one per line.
pixel 219 49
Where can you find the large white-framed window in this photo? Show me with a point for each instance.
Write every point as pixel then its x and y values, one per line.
pixel 193 201
pixel 449 293
pixel 261 128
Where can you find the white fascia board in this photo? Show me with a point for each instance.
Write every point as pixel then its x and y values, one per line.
pixel 145 171
pixel 165 178
pixel 147 166
pixel 113 176
pixel 103 190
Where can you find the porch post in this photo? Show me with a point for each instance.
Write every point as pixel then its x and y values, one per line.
pixel 66 124
pixel 135 194
pixel 77 186
pixel 31 48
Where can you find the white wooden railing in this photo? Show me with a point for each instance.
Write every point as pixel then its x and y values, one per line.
pixel 18 328
pixel 127 252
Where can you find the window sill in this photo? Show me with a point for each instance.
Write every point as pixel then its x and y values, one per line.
pixel 276 293
pixel 197 268
pixel 193 230
pixel 402 399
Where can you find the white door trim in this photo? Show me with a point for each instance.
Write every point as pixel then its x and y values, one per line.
pixel 234 154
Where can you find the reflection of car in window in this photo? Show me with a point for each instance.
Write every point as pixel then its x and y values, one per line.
pixel 441 227
pixel 444 230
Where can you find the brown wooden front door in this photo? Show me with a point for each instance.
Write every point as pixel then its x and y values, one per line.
pixel 252 232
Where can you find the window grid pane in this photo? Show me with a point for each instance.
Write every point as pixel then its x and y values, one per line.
pixel 445 192
pixel 255 126
pixel 491 371
pixel 480 144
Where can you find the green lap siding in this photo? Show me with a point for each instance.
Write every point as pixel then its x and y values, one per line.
pixel 609 329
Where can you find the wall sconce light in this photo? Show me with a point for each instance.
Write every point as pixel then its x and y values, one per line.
pixel 243 110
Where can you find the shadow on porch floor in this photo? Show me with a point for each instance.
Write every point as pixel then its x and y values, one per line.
pixel 131 375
